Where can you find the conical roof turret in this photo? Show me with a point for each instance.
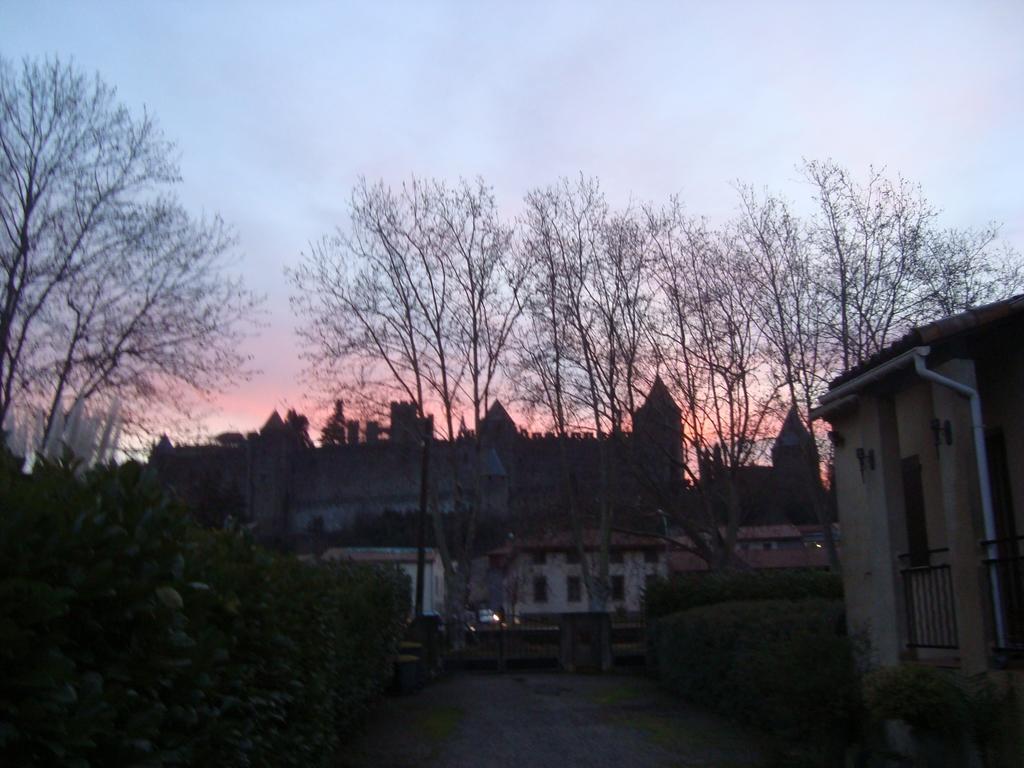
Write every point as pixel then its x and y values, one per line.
pixel 273 424
pixel 660 398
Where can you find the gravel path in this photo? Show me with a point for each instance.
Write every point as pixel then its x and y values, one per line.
pixel 547 721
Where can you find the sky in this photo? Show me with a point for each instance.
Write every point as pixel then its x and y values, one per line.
pixel 277 109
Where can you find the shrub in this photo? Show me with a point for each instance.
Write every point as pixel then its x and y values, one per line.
pixel 779 665
pixel 667 596
pixel 924 698
pixel 993 715
pixel 130 637
pixel 948 711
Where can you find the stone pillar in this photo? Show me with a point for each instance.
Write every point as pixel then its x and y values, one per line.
pixel 855 521
pixel 883 499
pixel 586 641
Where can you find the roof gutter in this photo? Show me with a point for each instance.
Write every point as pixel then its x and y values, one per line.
pixel 847 394
pixel 826 410
pixel 869 377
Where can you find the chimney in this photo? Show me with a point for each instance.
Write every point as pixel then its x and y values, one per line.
pixel 353 432
pixel 372 432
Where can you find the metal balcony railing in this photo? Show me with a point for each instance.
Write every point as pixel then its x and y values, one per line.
pixel 928 599
pixel 1005 570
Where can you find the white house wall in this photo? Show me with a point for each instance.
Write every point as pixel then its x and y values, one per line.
pixel 433 587
pixel 520 575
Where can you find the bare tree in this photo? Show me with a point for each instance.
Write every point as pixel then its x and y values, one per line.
pixel 107 286
pixel 484 284
pixel 583 350
pixel 561 230
pixel 159 319
pixel 419 293
pixel 870 264
pixel 886 265
pixel 421 298
pixel 965 268
pixel 871 239
pixel 355 294
pixel 515 584
pixel 791 307
pixel 713 353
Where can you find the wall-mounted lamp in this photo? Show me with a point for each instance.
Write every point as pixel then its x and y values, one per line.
pixel 943 430
pixel 865 457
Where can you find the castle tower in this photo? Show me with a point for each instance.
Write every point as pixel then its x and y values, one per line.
pixel 794 451
pixel 406 427
pixel 499 439
pixel 494 484
pixel 270 470
pixel 658 437
pixel 497 430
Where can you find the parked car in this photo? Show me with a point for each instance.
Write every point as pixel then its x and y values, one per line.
pixel 487 616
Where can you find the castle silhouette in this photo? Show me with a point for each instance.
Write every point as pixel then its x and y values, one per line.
pixel 282 487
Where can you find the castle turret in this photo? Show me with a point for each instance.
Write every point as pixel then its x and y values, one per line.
pixel 163 446
pixel 406 427
pixel 794 452
pixel 658 437
pixel 496 423
pixel 271 453
pixel 498 432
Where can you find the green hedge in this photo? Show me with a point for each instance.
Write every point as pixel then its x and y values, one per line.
pixel 667 596
pixel 130 637
pixel 923 697
pixel 780 665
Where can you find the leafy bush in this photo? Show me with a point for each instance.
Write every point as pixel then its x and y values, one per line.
pixel 130 637
pixel 667 596
pixel 923 697
pixel 993 717
pixel 948 711
pixel 779 665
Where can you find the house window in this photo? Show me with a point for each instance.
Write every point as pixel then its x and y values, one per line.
pixel 618 588
pixel 615 556
pixel 540 589
pixel 572 589
pixel 572 557
pixel 650 555
pixel 1002 492
pixel 539 558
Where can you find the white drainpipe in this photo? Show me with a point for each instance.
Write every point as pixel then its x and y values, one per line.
pixel 981 457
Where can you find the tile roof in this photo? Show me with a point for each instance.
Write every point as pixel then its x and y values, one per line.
pixel 591 540
pixel 803 557
pixel 377 554
pixel 935 332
